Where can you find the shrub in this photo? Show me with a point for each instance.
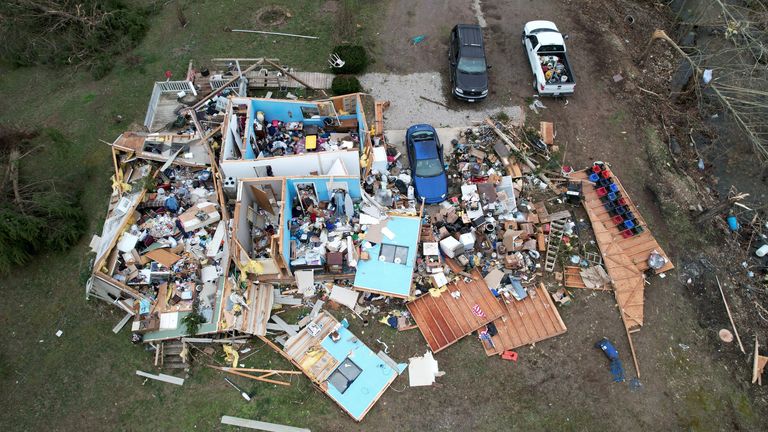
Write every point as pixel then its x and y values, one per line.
pixel 355 59
pixel 345 84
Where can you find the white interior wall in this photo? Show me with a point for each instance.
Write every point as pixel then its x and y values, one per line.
pixel 295 165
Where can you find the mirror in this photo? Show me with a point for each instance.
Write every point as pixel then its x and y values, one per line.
pixel 565 37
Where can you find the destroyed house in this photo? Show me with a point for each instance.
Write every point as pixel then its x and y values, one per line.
pixel 270 137
pixel 164 243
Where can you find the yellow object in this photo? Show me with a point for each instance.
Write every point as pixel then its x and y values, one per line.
pixel 436 292
pixel 252 267
pixel 232 355
pixel 310 142
pixel 118 185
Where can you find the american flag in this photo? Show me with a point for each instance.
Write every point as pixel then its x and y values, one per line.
pixel 477 311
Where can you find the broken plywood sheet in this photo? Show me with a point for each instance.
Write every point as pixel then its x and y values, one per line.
pixel 595 277
pixel 423 370
pixel 344 296
pixel 525 322
pixel 547 131
pixel 163 256
pixel 305 281
pixel 463 308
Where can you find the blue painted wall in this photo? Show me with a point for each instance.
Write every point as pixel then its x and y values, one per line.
pixel 321 186
pixel 374 378
pixel 386 277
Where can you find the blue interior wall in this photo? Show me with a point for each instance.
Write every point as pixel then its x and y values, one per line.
pixel 321 186
pixel 386 277
pixel 284 111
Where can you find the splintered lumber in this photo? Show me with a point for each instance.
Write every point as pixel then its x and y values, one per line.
pixel 253 377
pixel 730 317
pixel 274 371
pixel 284 325
pixel 758 364
pixel 162 377
pixel 516 149
pixel 259 425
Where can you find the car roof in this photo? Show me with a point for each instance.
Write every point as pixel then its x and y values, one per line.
pixel 425 149
pixel 470 35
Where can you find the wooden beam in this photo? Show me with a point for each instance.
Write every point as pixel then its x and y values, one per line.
pixel 162 377
pixel 259 425
pixel 284 325
pixel 253 377
pixel 220 89
pixel 730 317
pixel 122 323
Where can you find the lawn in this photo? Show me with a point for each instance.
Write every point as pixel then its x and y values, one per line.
pixel 85 379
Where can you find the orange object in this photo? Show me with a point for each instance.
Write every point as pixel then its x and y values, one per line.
pixel 509 355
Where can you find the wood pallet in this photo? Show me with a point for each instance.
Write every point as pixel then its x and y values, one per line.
pixel 572 277
pixel 444 320
pixel 526 322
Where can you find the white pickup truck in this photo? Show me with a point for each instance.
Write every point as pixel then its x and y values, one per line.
pixel 545 47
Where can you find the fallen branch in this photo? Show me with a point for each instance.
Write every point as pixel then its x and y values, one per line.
pixel 730 317
pixel 436 103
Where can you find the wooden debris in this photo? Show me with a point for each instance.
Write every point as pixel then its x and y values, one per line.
pixel 730 317
pixel 263 377
pixel 162 377
pixel 758 364
pixel 259 425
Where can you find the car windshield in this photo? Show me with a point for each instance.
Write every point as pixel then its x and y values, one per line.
pixel 423 136
pixel 471 65
pixel 428 167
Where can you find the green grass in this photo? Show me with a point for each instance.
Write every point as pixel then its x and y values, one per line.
pixel 86 380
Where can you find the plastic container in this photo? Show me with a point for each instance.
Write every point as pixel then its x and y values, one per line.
pixel 733 223
pixel 594 178
pixel 601 191
pixel 614 187
pixel 762 250
pixel 596 169
pixel 612 196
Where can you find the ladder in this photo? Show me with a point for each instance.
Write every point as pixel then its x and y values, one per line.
pixel 554 239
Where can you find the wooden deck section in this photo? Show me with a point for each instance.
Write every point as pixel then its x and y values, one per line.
pixel 637 248
pixel 165 111
pixel 625 259
pixel 525 322
pixel 444 320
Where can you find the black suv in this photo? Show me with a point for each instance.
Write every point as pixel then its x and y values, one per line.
pixel 469 71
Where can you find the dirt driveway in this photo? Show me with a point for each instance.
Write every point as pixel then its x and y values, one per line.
pixel 564 384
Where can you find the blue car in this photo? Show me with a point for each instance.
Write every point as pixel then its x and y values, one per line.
pixel 425 154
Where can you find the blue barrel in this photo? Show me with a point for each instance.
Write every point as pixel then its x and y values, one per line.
pixel 608 348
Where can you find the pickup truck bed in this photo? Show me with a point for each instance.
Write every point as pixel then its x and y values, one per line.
pixel 556 68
